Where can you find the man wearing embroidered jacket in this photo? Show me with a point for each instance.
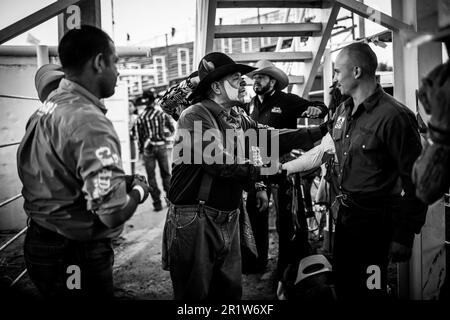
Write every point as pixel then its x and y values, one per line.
pixel 74 187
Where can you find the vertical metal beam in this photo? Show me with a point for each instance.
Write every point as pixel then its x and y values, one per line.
pixel 362 25
pixel 406 79
pixel 85 12
pixel 205 26
pixel 314 67
pixel 327 76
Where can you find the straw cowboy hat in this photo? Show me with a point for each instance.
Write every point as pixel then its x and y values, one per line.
pixel 215 66
pixel 268 68
pixel 47 79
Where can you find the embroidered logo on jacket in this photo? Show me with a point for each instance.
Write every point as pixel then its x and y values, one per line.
pixel 339 122
pixel 276 110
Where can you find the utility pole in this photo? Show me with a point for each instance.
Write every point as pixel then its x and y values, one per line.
pixel 167 61
pixel 112 19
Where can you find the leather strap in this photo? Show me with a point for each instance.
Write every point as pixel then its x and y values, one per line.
pixel 207 179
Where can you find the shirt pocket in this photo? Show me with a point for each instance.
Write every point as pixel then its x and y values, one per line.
pixel 370 148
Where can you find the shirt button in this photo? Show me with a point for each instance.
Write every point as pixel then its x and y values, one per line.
pixel 345 153
pixel 347 136
pixel 363 146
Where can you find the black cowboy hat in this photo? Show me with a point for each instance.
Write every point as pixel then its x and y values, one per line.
pixel 147 98
pixel 215 66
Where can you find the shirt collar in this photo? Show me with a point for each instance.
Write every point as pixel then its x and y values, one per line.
pixel 266 96
pixel 371 102
pixel 215 108
pixel 68 85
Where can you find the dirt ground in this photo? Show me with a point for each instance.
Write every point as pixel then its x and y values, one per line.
pixel 137 267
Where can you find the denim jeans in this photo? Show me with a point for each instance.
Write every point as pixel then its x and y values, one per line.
pixel 202 251
pixel 49 255
pixel 153 154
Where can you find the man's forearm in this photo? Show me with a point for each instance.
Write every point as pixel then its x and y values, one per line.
pixel 120 216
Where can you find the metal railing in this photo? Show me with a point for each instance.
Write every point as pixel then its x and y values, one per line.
pixel 18 196
pixel 7 243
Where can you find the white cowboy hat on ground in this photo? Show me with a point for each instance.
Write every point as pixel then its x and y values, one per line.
pixel 268 68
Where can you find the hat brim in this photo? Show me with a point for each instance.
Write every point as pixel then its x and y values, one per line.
pixel 274 72
pixel 47 79
pixel 217 74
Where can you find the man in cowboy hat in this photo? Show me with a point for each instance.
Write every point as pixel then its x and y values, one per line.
pixel 277 109
pixel 201 241
pixel 152 130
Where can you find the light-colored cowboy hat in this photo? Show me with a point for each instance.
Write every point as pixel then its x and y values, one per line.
pixel 268 68
pixel 47 79
pixel 215 66
pixel 312 265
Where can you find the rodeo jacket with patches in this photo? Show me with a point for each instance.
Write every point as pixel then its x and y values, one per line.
pixel 229 179
pixel 69 163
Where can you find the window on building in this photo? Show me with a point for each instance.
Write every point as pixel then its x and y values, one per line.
pixel 183 62
pixel 226 45
pixel 246 44
pixel 134 82
pixel 159 64
pixel 266 41
pixel 148 81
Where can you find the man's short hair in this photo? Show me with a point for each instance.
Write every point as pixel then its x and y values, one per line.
pixel 361 54
pixel 77 46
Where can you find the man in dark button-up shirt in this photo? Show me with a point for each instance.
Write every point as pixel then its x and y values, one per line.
pixel 278 109
pixel 377 141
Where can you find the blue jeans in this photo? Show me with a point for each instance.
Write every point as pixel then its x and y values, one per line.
pixel 202 251
pixel 48 256
pixel 153 154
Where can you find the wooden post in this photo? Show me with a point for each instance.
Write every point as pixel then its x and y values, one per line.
pixel 327 76
pixel 204 33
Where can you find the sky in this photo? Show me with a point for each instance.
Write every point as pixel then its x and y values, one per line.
pixel 147 21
